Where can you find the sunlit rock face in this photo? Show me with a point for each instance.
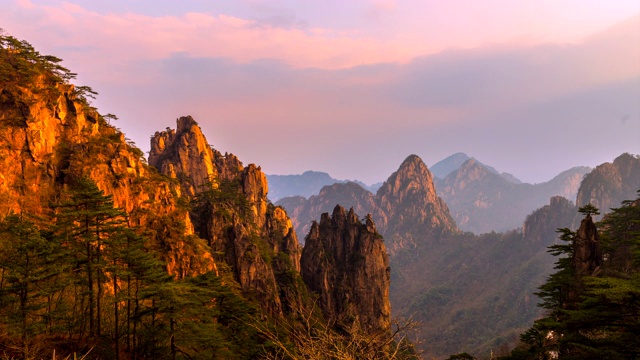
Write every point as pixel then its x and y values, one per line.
pixel 414 211
pixel 50 137
pixel 232 212
pixel 345 262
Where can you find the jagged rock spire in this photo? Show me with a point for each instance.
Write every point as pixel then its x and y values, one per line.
pixel 345 262
pixel 587 255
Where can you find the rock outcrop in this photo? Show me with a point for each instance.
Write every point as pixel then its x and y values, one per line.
pixel 414 210
pixel 587 255
pixel 345 262
pixel 406 208
pixel 50 137
pixel 541 225
pixel 232 212
pixel 349 195
pixel 611 183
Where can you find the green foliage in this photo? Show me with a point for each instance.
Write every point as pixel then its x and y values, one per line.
pixel 597 316
pixel 24 71
pixel 30 266
pixel 589 210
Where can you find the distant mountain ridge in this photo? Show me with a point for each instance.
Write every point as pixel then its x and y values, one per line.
pixel 483 201
pixel 306 184
pixel 479 198
pixel 408 194
pixel 452 163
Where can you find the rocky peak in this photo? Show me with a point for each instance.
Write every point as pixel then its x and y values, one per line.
pixel 409 199
pixel 232 212
pixel 345 262
pixel 611 183
pixel 412 178
pixel 184 154
pixel 348 195
pixel 541 225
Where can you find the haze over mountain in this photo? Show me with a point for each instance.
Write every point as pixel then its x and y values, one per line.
pixel 478 197
pixel 483 201
pixel 306 184
pixel 452 163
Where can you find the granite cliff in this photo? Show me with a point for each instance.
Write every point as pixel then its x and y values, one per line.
pixel 414 210
pixel 51 137
pixel 232 212
pixel 345 262
pixel 406 207
pixel 184 255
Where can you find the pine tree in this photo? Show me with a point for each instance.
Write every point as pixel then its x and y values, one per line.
pixel 86 221
pixel 593 315
pixel 28 264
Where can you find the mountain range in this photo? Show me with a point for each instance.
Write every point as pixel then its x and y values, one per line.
pixel 472 293
pixel 480 199
pixel 183 255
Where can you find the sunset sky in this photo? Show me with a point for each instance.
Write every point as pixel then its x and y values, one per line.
pixel 353 87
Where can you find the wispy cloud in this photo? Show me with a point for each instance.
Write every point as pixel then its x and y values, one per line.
pixel 292 90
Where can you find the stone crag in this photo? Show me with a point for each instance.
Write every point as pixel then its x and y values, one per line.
pixel 345 262
pixel 49 139
pixel 232 211
pixel 611 183
pixel 405 209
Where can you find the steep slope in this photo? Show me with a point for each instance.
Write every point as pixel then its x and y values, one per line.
pixel 50 137
pixel 232 212
pixel 414 211
pixel 483 201
pixel 475 293
pixel 349 195
pixel 611 183
pixel 406 208
pixel 345 262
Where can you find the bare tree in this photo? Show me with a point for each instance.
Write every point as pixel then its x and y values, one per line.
pixel 306 335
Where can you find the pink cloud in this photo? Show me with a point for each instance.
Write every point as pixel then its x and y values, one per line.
pixel 135 36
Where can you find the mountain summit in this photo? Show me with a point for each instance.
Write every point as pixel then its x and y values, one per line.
pixel 406 208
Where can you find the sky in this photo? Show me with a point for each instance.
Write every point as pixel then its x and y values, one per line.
pixel 352 88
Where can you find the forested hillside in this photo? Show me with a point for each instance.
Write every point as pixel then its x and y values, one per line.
pixel 103 256
pixel 592 303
